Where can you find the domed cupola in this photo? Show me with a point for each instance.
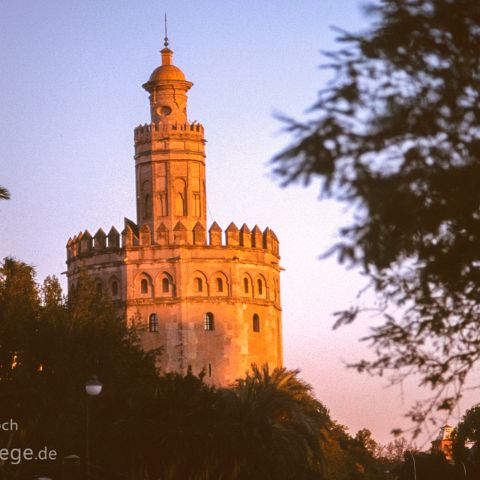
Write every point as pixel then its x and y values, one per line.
pixel 168 88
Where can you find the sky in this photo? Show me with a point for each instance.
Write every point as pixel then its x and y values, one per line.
pixel 71 96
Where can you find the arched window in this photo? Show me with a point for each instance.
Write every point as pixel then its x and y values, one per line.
pixel 114 288
pixel 209 322
pixel 179 187
pixel 245 285
pixel 209 369
pixel 153 323
pixel 163 204
pixel 147 207
pixel 165 285
pixel 256 323
pixel 198 284
pixel 260 286
pixel 99 288
pixel 196 204
pixel 144 286
pixel 219 285
pixel 180 205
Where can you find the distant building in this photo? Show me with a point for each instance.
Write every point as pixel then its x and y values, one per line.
pixel 443 443
pixel 211 299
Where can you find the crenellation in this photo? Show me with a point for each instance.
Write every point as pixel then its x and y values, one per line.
pixel 145 236
pixel 78 243
pixel 180 234
pixel 245 236
pixel 257 237
pixel 232 235
pixel 162 235
pixel 69 248
pixel 199 234
pixel 270 241
pixel 132 225
pixel 74 246
pixel 84 244
pixel 275 244
pixel 147 132
pixel 215 233
pixel 129 239
pixel 113 238
pixel 100 240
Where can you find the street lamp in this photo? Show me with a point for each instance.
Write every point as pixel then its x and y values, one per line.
pixel 93 387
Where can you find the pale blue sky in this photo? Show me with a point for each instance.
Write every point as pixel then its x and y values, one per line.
pixel 71 95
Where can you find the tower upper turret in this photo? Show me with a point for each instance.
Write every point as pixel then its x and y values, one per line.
pixel 170 160
pixel 168 89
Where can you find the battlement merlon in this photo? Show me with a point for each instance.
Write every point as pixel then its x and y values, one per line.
pixel 166 130
pixel 84 245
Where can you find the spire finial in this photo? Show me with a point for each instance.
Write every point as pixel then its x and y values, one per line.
pixel 165 43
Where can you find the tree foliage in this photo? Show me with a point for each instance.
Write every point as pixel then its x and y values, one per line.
pixel 391 457
pixel 430 465
pixel 466 444
pixel 48 349
pixel 143 425
pixel 267 426
pixel 4 193
pixel 397 138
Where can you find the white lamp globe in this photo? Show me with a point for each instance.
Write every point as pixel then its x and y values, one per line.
pixel 93 386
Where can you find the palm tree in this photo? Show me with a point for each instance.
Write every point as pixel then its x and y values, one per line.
pixel 267 426
pixel 271 430
pixel 4 193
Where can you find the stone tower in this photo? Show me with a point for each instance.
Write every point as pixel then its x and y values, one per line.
pixel 444 442
pixel 211 301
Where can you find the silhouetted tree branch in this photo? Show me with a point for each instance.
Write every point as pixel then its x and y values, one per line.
pixel 397 137
pixel 4 193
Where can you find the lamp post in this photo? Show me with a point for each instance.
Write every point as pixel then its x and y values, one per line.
pixel 71 467
pixel 414 466
pixel 93 387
